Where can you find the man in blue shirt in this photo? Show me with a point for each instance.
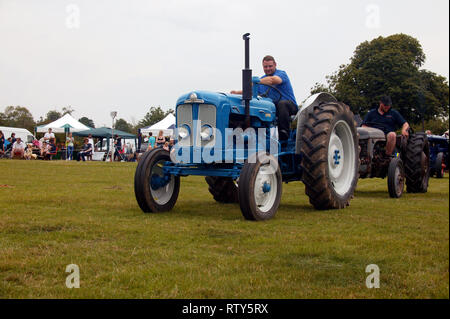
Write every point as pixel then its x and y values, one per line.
pixel 387 120
pixel 284 99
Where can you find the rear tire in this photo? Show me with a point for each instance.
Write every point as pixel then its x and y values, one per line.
pixel 329 150
pixel 417 164
pixel 396 178
pixel 438 168
pixel 154 191
pixel 223 189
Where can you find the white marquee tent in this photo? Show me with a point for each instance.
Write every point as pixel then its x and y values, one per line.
pixel 167 125
pixel 61 124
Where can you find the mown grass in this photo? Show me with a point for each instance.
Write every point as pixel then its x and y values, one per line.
pixel 57 213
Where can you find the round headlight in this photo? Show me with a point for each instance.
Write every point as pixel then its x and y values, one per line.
pixel 183 131
pixel 206 132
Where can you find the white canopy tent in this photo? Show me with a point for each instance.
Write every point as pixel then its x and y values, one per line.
pixel 166 125
pixel 62 124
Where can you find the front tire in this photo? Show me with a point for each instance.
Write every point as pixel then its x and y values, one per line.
pixel 417 164
pixel 329 153
pixel 260 188
pixel 155 191
pixel 439 169
pixel 396 178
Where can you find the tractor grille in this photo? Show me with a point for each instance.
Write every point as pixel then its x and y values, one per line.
pixel 207 116
pixel 187 114
pixel 184 117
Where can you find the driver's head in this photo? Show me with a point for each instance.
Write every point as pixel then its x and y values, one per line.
pixel 385 103
pixel 269 65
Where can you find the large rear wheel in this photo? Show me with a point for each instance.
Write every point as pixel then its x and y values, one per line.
pixel 329 151
pixel 417 164
pixel 223 189
pixel 155 191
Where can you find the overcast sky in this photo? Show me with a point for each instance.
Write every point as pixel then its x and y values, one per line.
pixel 99 56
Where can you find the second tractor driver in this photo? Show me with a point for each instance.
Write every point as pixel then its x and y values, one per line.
pixel 387 120
pixel 285 102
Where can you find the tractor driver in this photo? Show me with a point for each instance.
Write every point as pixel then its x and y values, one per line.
pixel 286 104
pixel 387 120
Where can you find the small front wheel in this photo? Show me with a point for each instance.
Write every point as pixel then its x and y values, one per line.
pixel 260 187
pixel 438 167
pixel 155 191
pixel 396 178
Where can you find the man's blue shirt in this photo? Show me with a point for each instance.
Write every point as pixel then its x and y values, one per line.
pixel 388 122
pixel 285 88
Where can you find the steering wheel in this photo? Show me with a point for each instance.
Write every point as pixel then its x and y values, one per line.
pixel 266 94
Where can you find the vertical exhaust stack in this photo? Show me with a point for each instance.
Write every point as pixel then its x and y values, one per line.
pixel 247 80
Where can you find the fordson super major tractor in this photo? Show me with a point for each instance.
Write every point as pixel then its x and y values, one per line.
pixel 232 140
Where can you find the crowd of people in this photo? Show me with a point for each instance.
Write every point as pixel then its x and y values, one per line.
pixel 15 148
pixel 154 142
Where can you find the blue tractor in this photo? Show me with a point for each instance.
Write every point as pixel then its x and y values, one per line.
pixel 438 155
pixel 232 140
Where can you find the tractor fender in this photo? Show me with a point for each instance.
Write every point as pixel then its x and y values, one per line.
pixel 310 102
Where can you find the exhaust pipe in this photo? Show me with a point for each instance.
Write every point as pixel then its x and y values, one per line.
pixel 247 92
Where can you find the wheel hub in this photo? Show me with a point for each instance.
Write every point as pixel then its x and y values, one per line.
pixel 266 187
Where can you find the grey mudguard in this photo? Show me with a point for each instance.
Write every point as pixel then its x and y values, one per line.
pixel 310 102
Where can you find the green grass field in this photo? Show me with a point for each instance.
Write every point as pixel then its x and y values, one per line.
pixel 53 214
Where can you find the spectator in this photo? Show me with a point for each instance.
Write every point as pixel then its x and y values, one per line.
pixel 91 140
pixel 139 141
pixel 160 140
pixel 69 141
pixel 86 150
pixel 151 140
pixel 18 149
pixel 428 132
pixel 29 152
pixel 13 138
pixel 117 147
pixel 44 148
pixel 51 149
pixel 445 134
pixel 49 135
pixel 2 143
pixel 166 146
pixel 7 145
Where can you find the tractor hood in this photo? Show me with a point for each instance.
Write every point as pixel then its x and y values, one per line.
pixel 262 108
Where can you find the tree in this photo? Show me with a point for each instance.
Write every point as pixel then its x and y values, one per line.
pixel 390 66
pixel 86 121
pixel 67 110
pixel 17 116
pixel 123 125
pixel 154 115
pixel 52 116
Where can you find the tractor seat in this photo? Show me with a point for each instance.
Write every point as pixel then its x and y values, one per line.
pixel 370 132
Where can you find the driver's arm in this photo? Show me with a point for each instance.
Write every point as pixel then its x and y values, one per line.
pixel 405 128
pixel 271 80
